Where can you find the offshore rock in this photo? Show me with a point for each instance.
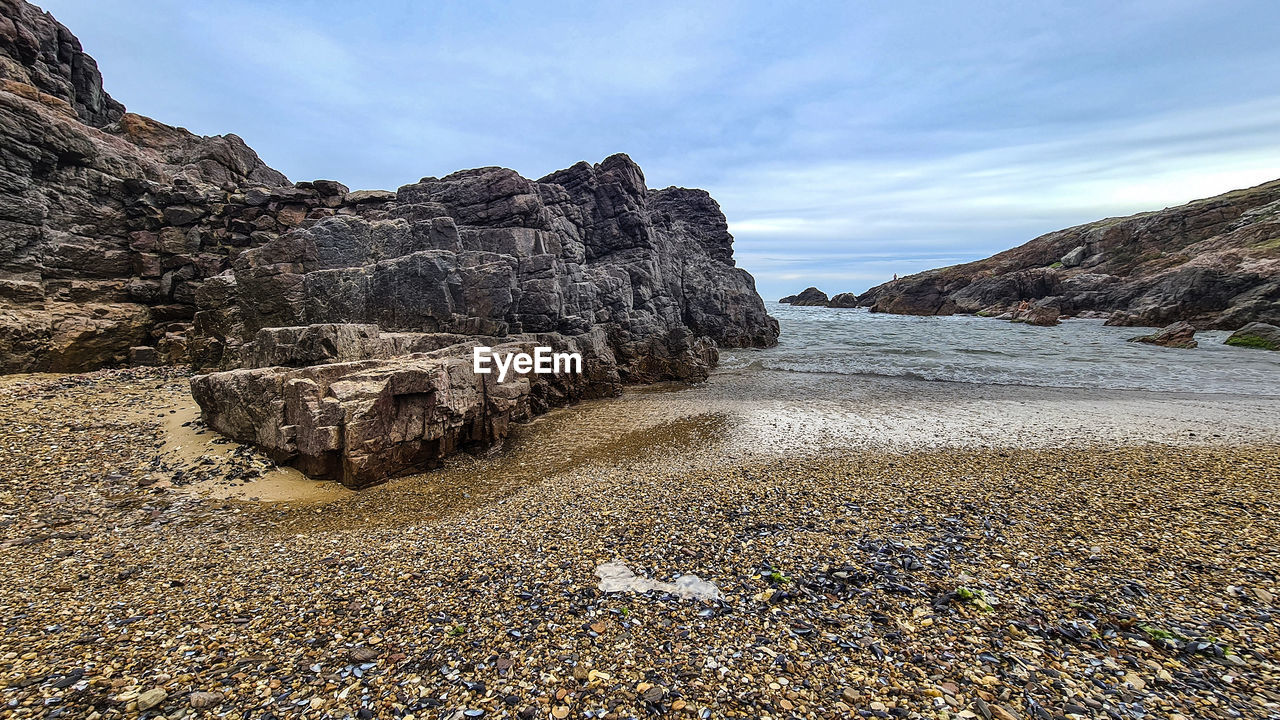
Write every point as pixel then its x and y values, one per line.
pixel 1256 335
pixel 843 300
pixel 809 297
pixel 1043 313
pixel 1177 335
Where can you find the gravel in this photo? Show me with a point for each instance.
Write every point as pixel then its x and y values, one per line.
pixel 1113 580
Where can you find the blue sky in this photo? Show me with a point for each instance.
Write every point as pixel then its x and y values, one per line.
pixel 846 141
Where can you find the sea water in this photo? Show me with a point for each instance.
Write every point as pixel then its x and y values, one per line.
pixel 961 348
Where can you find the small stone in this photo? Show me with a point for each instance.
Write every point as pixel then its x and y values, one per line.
pixel 1137 682
pixel 1000 713
pixel 653 695
pixel 201 700
pixel 151 698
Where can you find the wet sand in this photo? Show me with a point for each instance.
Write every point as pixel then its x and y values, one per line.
pixel 754 415
pixel 884 548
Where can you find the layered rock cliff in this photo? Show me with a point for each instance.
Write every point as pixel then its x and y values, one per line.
pixel 109 221
pixel 1214 263
pixel 337 326
pixel 381 303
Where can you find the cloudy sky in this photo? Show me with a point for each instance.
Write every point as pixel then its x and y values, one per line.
pixel 846 141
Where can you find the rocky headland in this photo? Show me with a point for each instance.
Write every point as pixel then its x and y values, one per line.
pixel 1214 263
pixel 336 327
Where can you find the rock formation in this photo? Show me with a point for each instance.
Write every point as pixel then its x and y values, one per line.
pixel 1178 335
pixel 1214 263
pixel 1256 335
pixel 843 300
pixel 109 221
pixel 809 297
pixel 1042 313
pixel 338 325
pixel 813 297
pixel 381 303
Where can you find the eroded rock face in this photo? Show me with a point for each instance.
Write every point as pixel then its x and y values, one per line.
pixel 109 221
pixel 39 52
pixel 1213 262
pixel 404 286
pixel 487 252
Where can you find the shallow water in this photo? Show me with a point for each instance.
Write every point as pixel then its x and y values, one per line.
pixel 1075 354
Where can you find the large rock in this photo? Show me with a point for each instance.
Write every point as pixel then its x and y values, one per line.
pixel 487 252
pixel 1213 262
pixel 1042 313
pixel 70 337
pixel 809 297
pixel 1177 335
pixel 1256 335
pixel 843 300
pixel 364 421
pixel 642 281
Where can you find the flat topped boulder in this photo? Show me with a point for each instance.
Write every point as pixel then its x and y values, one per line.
pixel 363 421
pixel 1177 335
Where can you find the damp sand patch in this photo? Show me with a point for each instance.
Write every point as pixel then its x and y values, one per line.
pixel 223 469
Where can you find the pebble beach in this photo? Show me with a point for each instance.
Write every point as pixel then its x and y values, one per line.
pixel 1041 553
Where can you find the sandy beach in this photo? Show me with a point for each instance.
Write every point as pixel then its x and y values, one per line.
pixel 891 548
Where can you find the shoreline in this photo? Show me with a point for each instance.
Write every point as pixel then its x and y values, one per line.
pixel 735 415
pixel 1187 394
